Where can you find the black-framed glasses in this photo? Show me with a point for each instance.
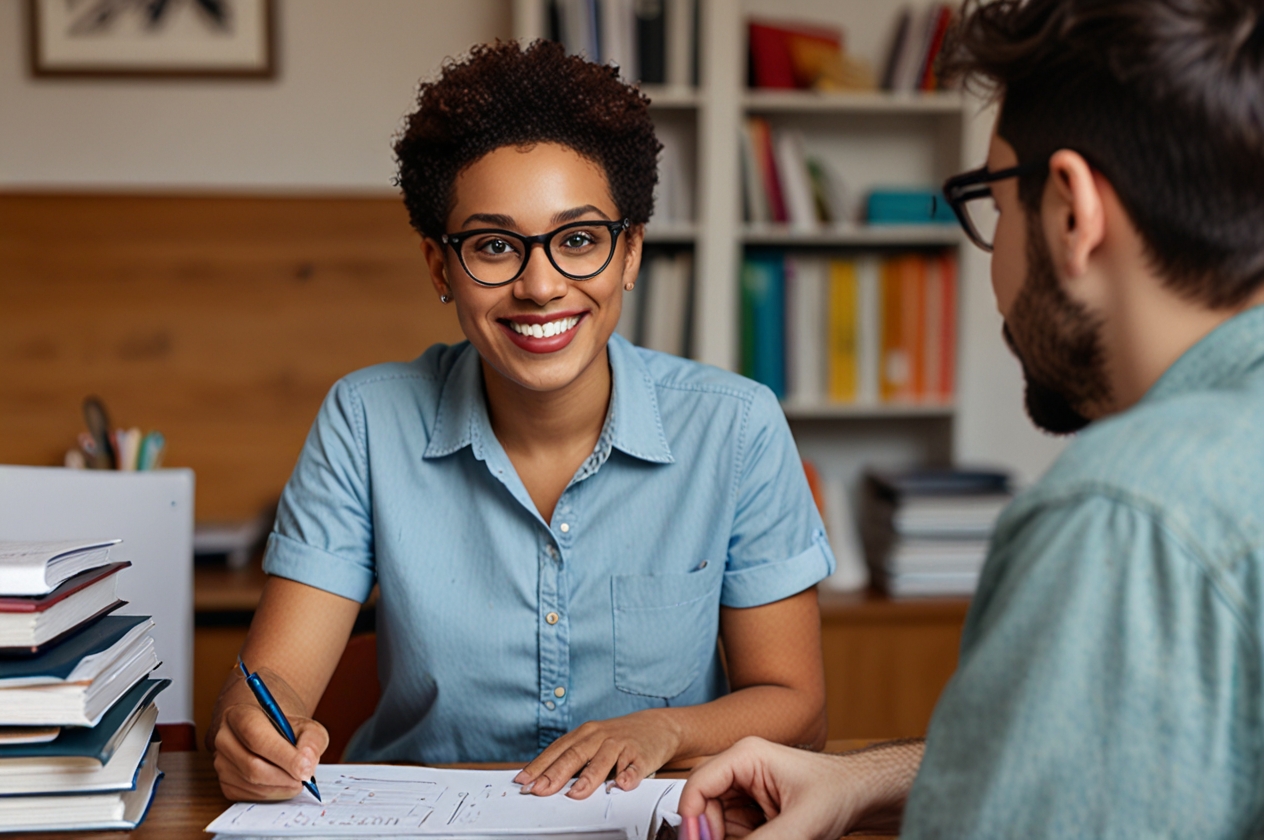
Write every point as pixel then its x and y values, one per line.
pixel 494 257
pixel 970 197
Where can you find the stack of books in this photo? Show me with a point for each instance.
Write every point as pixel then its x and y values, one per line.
pixel 855 330
pixel 926 532
pixel 78 743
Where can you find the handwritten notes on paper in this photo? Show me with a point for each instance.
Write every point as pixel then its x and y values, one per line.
pixel 379 800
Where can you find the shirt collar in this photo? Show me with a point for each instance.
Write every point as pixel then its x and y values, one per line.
pixel 1232 352
pixel 633 424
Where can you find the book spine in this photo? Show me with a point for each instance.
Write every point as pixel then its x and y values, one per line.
pixel 948 352
pixel 869 328
pixel 680 40
pixel 932 332
pixel 806 333
pixel 894 364
pixel 843 318
pixel 651 41
pixel 793 168
pixel 754 194
pixel 762 134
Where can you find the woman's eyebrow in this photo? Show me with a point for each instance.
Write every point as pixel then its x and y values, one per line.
pixel 575 212
pixel 498 219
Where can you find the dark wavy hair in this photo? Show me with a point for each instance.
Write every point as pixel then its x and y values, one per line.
pixel 503 95
pixel 1164 97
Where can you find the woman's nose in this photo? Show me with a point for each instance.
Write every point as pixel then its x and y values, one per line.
pixel 540 281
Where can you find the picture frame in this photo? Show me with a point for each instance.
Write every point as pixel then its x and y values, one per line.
pixel 158 39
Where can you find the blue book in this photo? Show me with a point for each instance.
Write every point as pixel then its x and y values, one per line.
pixel 908 207
pixel 95 744
pixel 56 664
pixel 764 321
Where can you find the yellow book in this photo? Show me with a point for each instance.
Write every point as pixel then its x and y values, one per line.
pixel 844 371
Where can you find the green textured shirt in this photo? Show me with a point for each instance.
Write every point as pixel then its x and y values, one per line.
pixel 1110 674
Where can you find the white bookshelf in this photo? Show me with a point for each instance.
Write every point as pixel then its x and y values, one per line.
pixel 869 139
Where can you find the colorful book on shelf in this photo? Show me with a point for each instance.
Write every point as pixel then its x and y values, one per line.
pixel 762 145
pixel 940 17
pixel 844 357
pixel 773 48
pixel 806 312
pixel 763 306
pixel 796 185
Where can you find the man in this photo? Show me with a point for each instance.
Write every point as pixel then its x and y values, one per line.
pixel 1111 680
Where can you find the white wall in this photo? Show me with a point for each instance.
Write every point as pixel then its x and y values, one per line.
pixel 348 73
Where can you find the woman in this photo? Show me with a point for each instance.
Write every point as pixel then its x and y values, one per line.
pixel 561 525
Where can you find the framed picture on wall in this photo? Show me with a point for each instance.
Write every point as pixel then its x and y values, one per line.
pixel 152 38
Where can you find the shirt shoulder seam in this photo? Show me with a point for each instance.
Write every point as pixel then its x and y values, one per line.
pixel 1190 546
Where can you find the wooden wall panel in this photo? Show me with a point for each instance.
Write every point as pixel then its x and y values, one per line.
pixel 221 321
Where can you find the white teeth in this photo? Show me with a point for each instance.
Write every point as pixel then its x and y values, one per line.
pixel 548 330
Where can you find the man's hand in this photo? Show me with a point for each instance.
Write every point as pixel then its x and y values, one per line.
pixel 773 792
pixel 632 746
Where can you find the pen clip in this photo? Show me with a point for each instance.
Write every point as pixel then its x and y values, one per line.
pixel 242 666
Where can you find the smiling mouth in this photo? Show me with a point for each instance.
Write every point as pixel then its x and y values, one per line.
pixel 547 329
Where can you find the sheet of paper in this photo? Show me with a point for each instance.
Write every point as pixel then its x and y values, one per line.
pixel 383 800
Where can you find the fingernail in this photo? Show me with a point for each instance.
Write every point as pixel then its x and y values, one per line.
pixel 521 778
pixel 578 787
pixel 527 787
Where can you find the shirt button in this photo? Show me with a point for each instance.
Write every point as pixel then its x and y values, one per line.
pixel 559 692
pixel 552 618
pixel 564 528
pixel 550 705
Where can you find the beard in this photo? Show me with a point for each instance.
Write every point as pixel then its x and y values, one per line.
pixel 1058 343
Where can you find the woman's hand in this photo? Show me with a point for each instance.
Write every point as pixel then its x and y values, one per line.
pixel 252 759
pixel 632 746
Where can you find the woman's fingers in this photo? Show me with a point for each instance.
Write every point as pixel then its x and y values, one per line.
pixel 596 771
pixel 254 761
pixel 630 771
pixel 554 777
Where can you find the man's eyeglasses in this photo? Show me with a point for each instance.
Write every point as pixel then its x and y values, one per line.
pixel 579 251
pixel 970 197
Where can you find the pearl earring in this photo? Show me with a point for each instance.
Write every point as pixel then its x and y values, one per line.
pixel 627 287
pixel 444 299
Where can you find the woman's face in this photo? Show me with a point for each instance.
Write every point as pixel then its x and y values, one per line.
pixel 530 191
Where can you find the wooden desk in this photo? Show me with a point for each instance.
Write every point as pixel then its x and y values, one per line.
pixel 188 799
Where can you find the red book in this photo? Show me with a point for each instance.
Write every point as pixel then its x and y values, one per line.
pixel 772 64
pixel 761 135
pixel 939 29
pixel 28 624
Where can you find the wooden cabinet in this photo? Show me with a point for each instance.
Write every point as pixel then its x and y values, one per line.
pixel 887 661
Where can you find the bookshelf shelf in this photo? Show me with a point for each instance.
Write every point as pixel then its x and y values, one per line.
pixel 670 233
pixel 853 235
pixel 673 97
pixel 810 102
pixel 877 411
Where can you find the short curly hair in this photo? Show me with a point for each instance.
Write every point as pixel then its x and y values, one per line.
pixel 503 95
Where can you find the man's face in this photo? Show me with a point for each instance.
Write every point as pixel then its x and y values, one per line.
pixel 1056 340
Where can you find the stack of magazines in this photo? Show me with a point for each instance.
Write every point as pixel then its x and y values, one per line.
pixel 926 532
pixel 78 741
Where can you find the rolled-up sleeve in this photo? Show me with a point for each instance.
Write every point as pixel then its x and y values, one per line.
pixel 778 546
pixel 324 533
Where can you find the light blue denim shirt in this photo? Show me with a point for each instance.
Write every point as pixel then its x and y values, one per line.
pixel 1110 675
pixel 499 631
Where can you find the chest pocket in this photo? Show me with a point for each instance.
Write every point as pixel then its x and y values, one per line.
pixel 665 629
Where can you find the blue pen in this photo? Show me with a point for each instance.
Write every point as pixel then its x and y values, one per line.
pixel 274 713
